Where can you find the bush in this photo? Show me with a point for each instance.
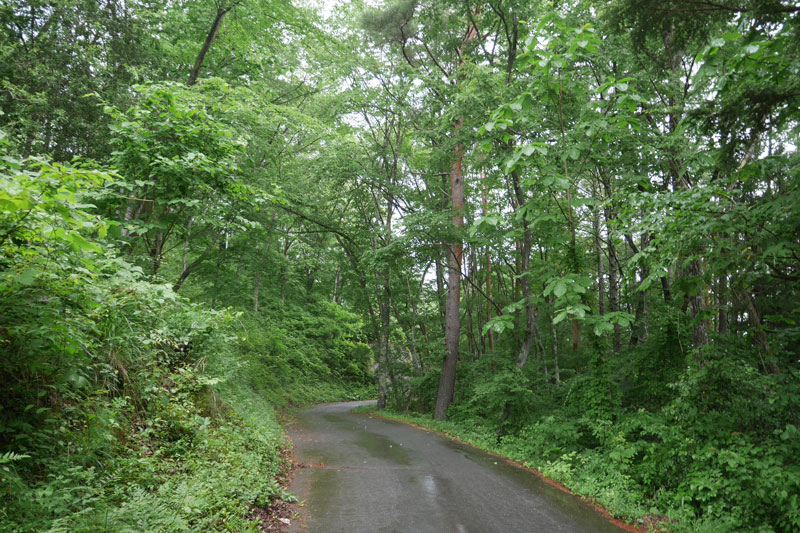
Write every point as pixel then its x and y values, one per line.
pixel 106 422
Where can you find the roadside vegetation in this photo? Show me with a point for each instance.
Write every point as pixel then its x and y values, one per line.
pixel 124 406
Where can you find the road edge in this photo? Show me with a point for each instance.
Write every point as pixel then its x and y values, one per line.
pixel 625 526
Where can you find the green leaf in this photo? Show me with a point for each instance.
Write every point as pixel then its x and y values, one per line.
pixel 12 204
pixel 603 327
pixel 26 277
pixel 80 243
pixel 560 288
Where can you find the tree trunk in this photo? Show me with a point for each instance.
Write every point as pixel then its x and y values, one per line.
pixel 613 284
pixel 256 289
pixel 696 307
pixel 212 34
pixel 447 382
pixel 525 282
pixel 754 316
pixel 260 272
pixel 285 269
pixel 541 351
pixel 639 325
pixel 423 328
pixel 215 289
pixel 408 328
pixel 722 303
pixel 598 250
pixel 440 297
pixel 553 332
pixel 336 284
pixel 189 268
pixel 157 251
pixel 384 306
pixel 485 210
pixel 383 351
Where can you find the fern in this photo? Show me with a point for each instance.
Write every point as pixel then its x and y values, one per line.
pixel 12 457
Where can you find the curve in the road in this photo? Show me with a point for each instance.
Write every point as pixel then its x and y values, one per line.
pixel 368 474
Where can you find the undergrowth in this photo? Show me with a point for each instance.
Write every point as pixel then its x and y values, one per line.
pixel 123 406
pixel 703 462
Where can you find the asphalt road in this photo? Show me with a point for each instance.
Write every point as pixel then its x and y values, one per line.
pixel 367 474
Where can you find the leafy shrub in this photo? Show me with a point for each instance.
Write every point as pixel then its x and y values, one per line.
pixel 105 423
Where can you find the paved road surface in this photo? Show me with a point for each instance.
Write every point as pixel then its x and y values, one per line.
pixel 367 474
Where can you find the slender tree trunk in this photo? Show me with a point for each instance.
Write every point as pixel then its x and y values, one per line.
pixel 212 34
pixel 556 370
pixel 541 350
pixel 598 250
pixel 754 317
pixel 613 284
pixel 473 342
pixel 186 244
pixel 189 268
pixel 256 289
pixel 215 288
pixel 639 325
pixel 574 260
pixel 422 327
pixel 311 280
pixel 384 306
pixel 336 283
pixel 130 209
pixel 680 181
pixel 525 282
pixel 408 328
pixel 383 351
pixel 468 271
pixel 489 298
pixel 485 210
pixel 260 274
pixel 285 269
pixel 722 303
pixel 447 382
pixel 666 289
pixel 696 308
pixel 440 296
pixel 157 251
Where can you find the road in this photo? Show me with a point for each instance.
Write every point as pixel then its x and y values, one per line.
pixel 367 474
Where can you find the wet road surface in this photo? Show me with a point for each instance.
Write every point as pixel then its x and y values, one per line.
pixel 367 474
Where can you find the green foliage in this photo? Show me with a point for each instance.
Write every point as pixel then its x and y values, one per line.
pixel 108 420
pixel 629 318
pixel 56 51
pixel 500 396
pixel 179 163
pixel 697 466
pixel 714 449
pixel 297 355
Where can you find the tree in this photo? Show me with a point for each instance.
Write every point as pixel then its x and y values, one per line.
pixel 179 164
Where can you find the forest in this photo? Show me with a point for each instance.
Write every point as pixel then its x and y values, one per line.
pixel 566 231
